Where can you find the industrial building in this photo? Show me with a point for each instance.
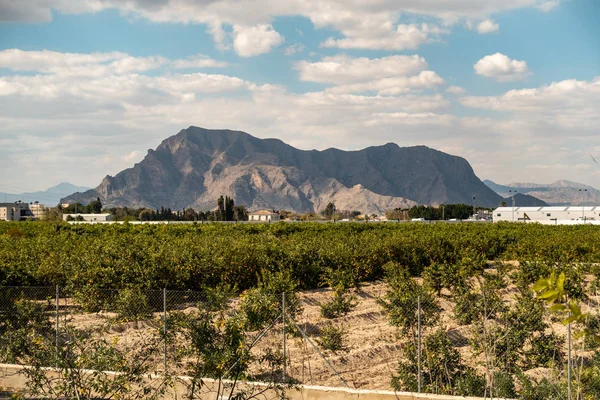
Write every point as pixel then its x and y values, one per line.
pixel 88 217
pixel 19 211
pixel 557 215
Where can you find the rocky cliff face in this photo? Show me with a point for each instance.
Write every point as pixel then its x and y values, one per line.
pixel 196 166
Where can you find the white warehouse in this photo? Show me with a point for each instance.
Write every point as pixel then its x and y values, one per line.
pixel 557 215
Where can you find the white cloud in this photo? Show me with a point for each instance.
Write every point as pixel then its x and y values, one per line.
pixel 390 75
pixel 455 90
pixel 133 156
pixel 94 64
pixel 394 85
pixel 345 70
pixel 548 5
pixel 198 61
pixel 293 49
pixel 501 68
pixel 383 34
pixel 251 41
pixel 372 25
pixel 487 26
pixel 553 99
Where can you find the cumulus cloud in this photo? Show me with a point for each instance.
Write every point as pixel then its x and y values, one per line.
pixel 198 61
pixel 487 26
pixel 387 75
pixel 556 98
pixel 501 68
pixel 455 90
pixel 251 41
pixel 133 156
pixel 381 33
pixel 344 70
pixel 361 24
pixel 293 49
pixel 94 64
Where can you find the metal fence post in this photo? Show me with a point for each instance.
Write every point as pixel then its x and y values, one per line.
pixel 283 329
pixel 165 328
pixel 419 341
pixel 57 322
pixel 569 360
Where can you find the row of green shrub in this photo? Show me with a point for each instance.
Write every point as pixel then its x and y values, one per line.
pixel 203 255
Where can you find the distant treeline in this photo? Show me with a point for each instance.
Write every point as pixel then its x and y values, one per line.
pixel 226 211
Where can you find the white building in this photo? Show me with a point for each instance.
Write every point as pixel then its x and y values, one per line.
pixel 21 211
pixel 88 217
pixel 557 215
pixel 264 215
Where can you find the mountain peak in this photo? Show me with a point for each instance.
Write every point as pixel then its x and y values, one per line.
pixel 197 165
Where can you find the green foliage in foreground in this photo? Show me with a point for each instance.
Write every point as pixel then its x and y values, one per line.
pixel 204 255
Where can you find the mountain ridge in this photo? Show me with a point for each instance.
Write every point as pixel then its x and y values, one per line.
pixel 558 193
pixel 48 197
pixel 193 167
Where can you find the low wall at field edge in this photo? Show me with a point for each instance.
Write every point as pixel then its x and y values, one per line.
pixel 13 381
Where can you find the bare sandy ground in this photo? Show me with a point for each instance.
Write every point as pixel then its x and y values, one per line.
pixel 372 346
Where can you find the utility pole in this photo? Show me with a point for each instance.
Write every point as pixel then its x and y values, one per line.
pixel 513 203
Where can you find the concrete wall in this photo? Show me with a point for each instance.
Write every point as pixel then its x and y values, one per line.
pixel 12 380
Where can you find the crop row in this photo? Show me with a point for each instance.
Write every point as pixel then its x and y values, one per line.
pixel 200 255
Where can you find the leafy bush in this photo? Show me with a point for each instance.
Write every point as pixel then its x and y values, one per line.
pixel 504 385
pixel 216 298
pixel 132 305
pixel 331 338
pixel 338 307
pixel 340 281
pixel 263 304
pixel 90 298
pixel 442 369
pixel 21 321
pixel 545 389
pixel 401 301
pixel 546 350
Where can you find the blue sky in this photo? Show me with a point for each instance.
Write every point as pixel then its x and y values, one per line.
pixel 87 86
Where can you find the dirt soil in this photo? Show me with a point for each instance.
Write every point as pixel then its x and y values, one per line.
pixel 372 346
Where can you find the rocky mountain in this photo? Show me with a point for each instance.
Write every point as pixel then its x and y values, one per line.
pixel 559 193
pixel 196 166
pixel 48 197
pixel 525 200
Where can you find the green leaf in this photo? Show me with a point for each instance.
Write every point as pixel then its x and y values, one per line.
pixel 541 285
pixel 558 308
pixel 551 294
pixel 560 283
pixel 569 320
pixel 575 310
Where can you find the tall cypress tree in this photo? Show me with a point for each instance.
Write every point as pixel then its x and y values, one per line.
pixel 220 209
pixel 229 208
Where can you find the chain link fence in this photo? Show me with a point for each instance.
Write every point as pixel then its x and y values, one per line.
pixel 426 344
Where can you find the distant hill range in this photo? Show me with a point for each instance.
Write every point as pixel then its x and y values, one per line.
pixel 49 197
pixel 196 166
pixel 559 193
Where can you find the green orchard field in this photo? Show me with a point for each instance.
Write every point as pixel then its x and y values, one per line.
pixel 195 256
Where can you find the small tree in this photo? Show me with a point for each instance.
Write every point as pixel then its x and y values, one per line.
pixel 145 215
pixel 402 298
pixel 329 210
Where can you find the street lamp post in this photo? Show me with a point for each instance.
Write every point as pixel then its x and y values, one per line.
pixel 582 191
